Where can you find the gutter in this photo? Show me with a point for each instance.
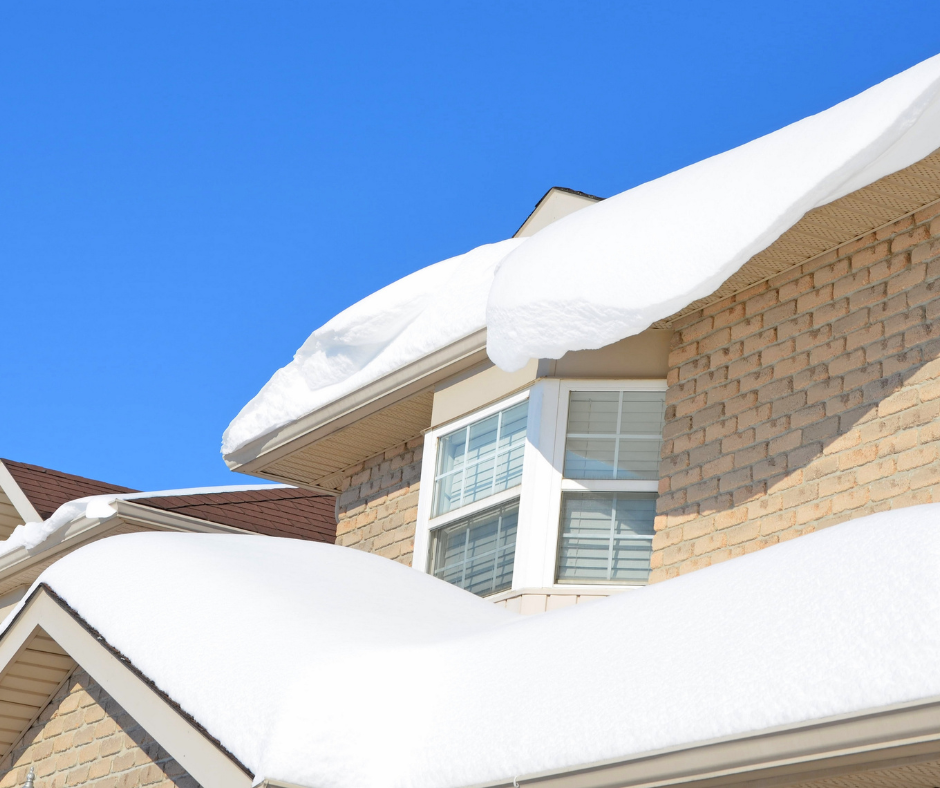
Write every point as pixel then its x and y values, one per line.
pixel 845 744
pixel 398 385
pixel 896 735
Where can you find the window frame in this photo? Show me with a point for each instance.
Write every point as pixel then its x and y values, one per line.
pixel 426 523
pixel 553 487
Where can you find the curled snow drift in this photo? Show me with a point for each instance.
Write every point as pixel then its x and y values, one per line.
pixel 612 269
pixel 328 667
pixel 401 323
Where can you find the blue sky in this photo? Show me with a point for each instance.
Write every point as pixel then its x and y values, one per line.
pixel 187 190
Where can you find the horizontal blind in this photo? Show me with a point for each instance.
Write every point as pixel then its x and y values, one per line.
pixel 614 434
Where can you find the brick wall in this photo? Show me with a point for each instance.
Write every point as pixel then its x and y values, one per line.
pixel 805 401
pixel 378 506
pixel 83 738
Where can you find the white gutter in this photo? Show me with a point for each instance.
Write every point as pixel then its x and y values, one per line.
pixel 410 379
pixel 849 743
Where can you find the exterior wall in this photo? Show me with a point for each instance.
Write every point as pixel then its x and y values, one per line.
pixel 84 738
pixel 804 401
pixel 541 600
pixel 378 506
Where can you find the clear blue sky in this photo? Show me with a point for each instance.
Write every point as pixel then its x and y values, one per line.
pixel 187 190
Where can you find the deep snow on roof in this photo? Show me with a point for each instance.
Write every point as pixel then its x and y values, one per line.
pixel 612 269
pixel 324 666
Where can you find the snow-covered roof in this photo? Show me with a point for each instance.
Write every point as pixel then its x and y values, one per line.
pixel 322 666
pixel 612 269
pixel 32 534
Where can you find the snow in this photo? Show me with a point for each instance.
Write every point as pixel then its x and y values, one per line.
pixel 401 323
pixel 323 666
pixel 30 535
pixel 612 269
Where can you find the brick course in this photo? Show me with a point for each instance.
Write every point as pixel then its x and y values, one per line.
pixel 84 738
pixel 378 506
pixel 804 401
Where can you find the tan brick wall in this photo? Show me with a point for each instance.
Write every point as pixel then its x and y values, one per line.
pixel 805 401
pixel 83 738
pixel 378 506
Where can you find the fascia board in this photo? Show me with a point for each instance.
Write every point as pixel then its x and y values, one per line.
pixel 17 497
pixel 884 737
pixel 408 380
pixel 193 750
pixel 149 516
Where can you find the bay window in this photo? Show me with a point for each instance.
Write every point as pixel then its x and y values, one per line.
pixel 552 487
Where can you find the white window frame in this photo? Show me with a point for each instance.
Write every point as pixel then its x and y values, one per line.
pixel 540 491
pixel 426 523
pixel 541 555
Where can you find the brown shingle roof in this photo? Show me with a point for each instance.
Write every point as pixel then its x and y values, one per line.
pixel 47 489
pixel 285 511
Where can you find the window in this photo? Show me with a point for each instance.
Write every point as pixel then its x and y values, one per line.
pixel 480 460
pixel 474 513
pixel 613 443
pixel 476 553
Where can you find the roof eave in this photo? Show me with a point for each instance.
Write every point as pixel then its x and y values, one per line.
pixel 844 744
pixel 410 379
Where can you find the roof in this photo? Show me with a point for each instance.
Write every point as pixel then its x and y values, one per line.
pixel 797 654
pixel 47 489
pixel 290 511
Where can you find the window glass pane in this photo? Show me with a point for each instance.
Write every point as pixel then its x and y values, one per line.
pixel 638 459
pixel 450 451
pixel 606 537
pixel 482 443
pixel 593 412
pixel 480 460
pixel 614 434
pixel 589 458
pixel 477 553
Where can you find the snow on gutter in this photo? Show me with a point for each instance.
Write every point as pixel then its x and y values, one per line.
pixel 612 269
pixel 29 536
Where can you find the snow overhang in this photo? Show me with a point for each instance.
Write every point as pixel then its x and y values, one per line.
pixel 313 451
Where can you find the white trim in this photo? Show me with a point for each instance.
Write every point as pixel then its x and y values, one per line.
pixel 24 508
pixel 470 509
pixel 551 482
pixel 425 523
pixel 191 748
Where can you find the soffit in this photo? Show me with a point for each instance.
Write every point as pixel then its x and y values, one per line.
pixel 832 225
pixel 321 464
pixel 27 683
pixel 9 517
